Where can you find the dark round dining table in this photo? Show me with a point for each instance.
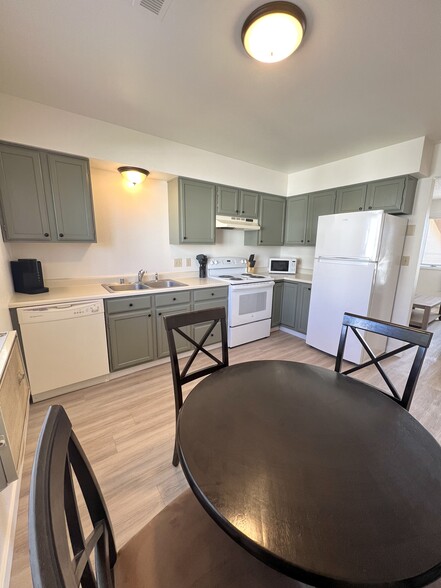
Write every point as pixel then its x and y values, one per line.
pixel 320 476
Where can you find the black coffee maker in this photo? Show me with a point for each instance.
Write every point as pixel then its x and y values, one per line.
pixel 202 259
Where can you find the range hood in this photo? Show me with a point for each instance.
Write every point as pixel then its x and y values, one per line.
pixel 237 222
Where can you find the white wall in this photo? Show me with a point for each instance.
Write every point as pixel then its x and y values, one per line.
pixel 132 232
pixel 409 157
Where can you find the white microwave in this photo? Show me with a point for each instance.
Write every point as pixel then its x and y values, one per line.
pixel 282 265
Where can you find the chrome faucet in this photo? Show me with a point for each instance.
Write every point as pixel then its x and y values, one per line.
pixel 141 275
pixel 156 276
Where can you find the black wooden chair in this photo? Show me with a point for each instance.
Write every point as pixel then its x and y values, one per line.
pixel 182 547
pixel 414 338
pixel 174 325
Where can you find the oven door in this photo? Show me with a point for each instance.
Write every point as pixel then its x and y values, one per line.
pixel 249 303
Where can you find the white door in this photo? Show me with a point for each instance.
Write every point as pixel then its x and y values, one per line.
pixel 338 287
pixel 353 235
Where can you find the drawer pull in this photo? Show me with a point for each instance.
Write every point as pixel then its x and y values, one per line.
pixel 174 298
pixel 2 441
pixel 212 293
pixel 130 303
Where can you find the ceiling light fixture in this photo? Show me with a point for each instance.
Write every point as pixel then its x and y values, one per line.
pixel 273 31
pixel 134 175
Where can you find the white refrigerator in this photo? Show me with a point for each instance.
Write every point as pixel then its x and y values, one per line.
pixel 356 267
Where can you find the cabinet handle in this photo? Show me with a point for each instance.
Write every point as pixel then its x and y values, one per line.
pixel 360 208
pixel 131 304
pixel 237 212
pixel 212 293
pixel 261 240
pixel 301 241
pixel 243 212
pixel 307 241
pixel 370 207
pixel 149 315
pixel 185 237
pixel 46 234
pixel 174 299
pixel 159 313
pixel 61 235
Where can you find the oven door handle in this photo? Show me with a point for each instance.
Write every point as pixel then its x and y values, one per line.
pixel 241 288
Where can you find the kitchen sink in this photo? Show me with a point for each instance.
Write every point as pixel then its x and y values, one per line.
pixel 164 284
pixel 125 287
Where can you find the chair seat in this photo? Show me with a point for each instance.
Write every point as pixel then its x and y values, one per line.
pixel 182 547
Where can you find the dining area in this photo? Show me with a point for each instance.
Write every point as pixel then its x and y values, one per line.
pixel 292 471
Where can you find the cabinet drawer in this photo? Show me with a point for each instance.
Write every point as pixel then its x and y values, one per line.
pixel 172 298
pixel 210 293
pixel 128 303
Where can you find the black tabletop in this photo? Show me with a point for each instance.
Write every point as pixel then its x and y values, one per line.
pixel 319 475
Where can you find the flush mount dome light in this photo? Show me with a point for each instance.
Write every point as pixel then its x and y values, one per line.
pixel 273 31
pixel 134 175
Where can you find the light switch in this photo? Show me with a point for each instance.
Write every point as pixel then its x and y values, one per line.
pixel 177 262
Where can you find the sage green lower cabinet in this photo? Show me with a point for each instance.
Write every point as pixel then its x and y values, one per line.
pixel 351 198
pixel 209 298
pixel 161 335
pixel 302 310
pixel 130 330
pixel 276 312
pixel 296 297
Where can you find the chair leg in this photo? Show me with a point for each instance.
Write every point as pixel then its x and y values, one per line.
pixel 175 460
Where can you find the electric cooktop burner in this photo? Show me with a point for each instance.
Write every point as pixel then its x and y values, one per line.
pixel 254 276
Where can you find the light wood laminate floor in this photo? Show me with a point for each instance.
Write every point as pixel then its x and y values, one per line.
pixel 126 427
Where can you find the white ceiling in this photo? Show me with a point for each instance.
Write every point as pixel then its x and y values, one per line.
pixel 366 76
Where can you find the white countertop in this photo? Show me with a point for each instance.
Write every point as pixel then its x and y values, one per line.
pixel 304 278
pixel 75 291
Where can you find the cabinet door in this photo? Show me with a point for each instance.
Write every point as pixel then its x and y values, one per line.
pixel 227 201
pixel 22 195
pixel 289 304
pixel 319 204
pixel 161 336
pixel 302 308
pixel 295 222
pixel 72 196
pixel 197 211
pixel 276 312
pixel 200 329
pixel 131 339
pixel 272 220
pixel 249 204
pixel 351 198
pixel 386 195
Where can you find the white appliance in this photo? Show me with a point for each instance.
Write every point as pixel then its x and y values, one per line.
pixel 250 298
pixel 63 344
pixel 237 222
pixel 282 265
pixel 356 267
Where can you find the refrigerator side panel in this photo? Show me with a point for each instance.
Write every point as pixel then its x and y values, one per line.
pixel 389 264
pixel 353 235
pixel 338 287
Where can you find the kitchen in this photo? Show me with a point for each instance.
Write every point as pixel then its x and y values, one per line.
pixel 132 223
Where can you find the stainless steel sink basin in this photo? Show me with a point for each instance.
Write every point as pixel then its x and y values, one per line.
pixel 164 284
pixel 125 287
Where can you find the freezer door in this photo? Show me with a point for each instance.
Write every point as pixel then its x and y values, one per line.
pixel 338 287
pixel 353 235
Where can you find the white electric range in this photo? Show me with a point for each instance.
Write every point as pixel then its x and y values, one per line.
pixel 250 299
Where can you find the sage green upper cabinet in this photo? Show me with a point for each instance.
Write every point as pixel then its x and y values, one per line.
pixel 295 222
pixel 319 204
pixel 22 195
pixel 72 198
pixel 235 202
pixel 45 196
pixel 249 204
pixel 271 221
pixel 192 211
pixel 351 198
pixel 394 195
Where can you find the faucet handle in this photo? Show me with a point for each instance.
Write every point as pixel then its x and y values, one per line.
pixel 141 275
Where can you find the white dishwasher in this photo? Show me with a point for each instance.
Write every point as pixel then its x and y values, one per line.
pixel 64 344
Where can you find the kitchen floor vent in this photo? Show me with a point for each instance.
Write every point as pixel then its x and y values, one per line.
pixel 152 5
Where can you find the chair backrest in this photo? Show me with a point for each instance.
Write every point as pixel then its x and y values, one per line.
pixel 414 338
pixel 60 553
pixel 174 325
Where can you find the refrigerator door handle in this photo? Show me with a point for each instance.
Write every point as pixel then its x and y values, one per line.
pixel 321 258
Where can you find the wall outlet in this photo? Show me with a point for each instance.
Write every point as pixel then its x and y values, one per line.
pixel 177 262
pixel 188 261
pixel 405 260
pixel 410 231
